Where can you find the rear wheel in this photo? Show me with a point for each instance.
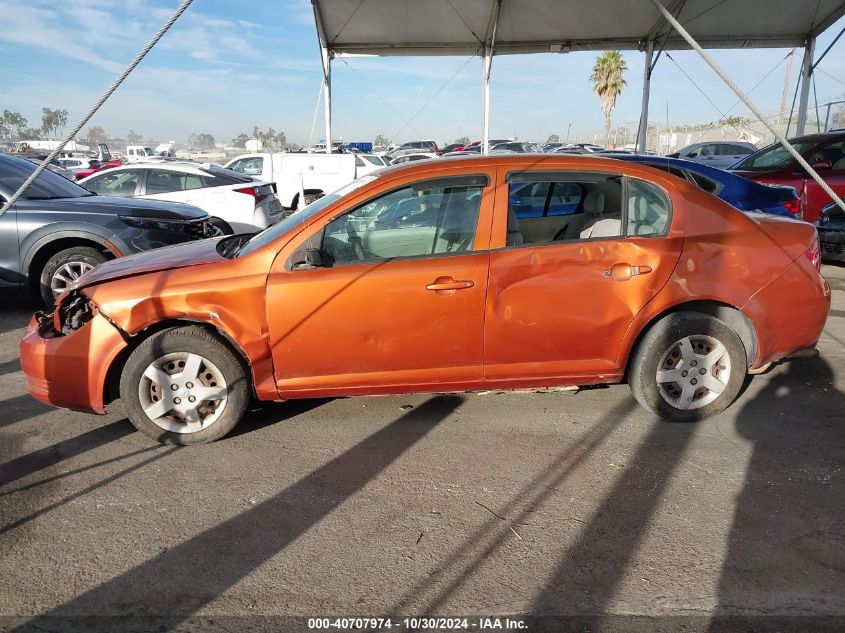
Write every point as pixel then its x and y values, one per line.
pixel 688 367
pixel 184 386
pixel 65 267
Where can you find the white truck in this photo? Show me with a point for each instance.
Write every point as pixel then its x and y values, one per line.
pixel 138 154
pixel 300 178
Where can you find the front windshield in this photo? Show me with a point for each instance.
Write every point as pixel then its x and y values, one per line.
pixel 14 171
pixel 269 234
pixel 149 152
pixel 774 156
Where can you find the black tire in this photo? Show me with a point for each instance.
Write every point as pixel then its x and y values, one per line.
pixel 192 340
pixel 223 227
pixel 75 256
pixel 661 340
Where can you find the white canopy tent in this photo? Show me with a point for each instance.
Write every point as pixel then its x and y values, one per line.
pixel 501 27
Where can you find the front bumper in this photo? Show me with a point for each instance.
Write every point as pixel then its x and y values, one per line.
pixel 70 370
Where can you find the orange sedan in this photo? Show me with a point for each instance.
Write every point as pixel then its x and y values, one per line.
pixel 424 278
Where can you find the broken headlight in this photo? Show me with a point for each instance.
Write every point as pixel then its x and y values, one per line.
pixel 74 312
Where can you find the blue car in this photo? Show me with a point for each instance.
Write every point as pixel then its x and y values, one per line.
pixel 744 194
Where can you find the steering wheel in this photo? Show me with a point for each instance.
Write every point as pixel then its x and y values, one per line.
pixel 355 241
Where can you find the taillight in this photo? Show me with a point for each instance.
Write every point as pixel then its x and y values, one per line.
pixel 813 253
pixel 253 191
pixel 793 205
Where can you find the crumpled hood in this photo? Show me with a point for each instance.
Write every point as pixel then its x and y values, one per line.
pixel 167 258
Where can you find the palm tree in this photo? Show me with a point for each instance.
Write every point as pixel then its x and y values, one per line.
pixel 608 83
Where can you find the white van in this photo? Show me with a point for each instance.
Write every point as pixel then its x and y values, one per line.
pixel 138 154
pixel 300 178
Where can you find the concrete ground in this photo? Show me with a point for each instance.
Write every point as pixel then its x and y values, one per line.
pixel 500 504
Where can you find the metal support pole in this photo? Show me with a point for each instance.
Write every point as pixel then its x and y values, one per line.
pixel 742 96
pixel 642 133
pixel 486 63
pixel 806 76
pixel 327 96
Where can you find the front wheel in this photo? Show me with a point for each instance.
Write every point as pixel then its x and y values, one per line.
pixel 688 367
pixel 65 267
pixel 184 386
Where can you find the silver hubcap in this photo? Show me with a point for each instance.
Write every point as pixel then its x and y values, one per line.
pixel 67 274
pixel 183 392
pixel 693 372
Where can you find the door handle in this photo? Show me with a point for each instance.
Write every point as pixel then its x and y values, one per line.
pixel 623 272
pixel 448 285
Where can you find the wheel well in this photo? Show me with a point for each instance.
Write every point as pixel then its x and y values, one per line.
pixel 111 389
pixel 729 315
pixel 44 253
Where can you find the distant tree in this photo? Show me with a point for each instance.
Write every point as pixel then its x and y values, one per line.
pixel 133 138
pixel 12 123
pixel 463 140
pixel 553 138
pixel 201 141
pixel 608 81
pixel 30 134
pixel 281 140
pixel 48 121
pixel 96 135
pixel 381 140
pixel 240 140
pixel 61 121
pixel 256 133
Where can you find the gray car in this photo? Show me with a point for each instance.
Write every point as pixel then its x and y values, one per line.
pixel 718 154
pixel 58 230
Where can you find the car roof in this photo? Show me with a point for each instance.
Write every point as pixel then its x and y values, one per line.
pixel 527 161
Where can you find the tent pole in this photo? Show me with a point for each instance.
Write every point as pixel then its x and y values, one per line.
pixel 327 95
pixel 806 76
pixel 486 62
pixel 744 98
pixel 643 129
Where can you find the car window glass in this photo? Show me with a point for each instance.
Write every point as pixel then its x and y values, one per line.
pixel 577 208
pixel 834 153
pixel 648 209
pixel 253 166
pixel 121 183
pixel 191 181
pixel 410 222
pixel 359 162
pixel 14 171
pixel 710 186
pixel 159 181
pixel 772 157
pixel 707 150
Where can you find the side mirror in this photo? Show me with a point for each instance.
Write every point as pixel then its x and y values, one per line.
pixel 821 165
pixel 307 259
pixel 314 258
pixel 692 155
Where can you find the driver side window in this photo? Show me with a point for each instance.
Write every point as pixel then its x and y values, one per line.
pixel 421 219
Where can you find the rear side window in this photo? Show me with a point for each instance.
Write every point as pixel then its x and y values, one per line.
pixel 159 181
pixel 550 207
pixel 648 209
pixel 710 186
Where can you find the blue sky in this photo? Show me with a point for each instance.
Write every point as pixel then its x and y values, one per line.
pixel 229 65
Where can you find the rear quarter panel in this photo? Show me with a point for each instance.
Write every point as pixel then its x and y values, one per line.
pixel 727 257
